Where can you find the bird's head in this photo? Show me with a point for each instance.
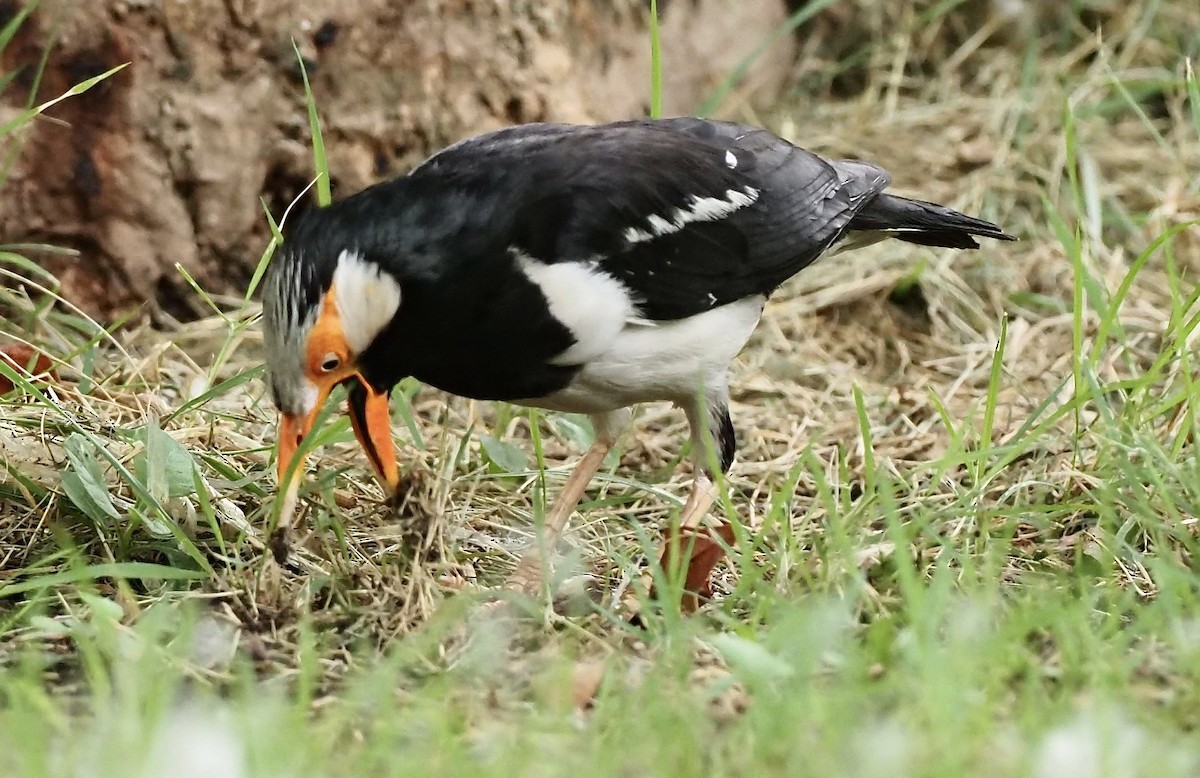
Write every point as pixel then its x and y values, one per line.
pixel 324 303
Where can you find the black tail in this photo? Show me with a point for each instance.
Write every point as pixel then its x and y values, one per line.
pixel 927 224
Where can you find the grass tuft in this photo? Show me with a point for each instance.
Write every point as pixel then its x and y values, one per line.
pixel 965 497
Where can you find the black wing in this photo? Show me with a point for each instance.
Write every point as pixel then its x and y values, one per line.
pixel 688 213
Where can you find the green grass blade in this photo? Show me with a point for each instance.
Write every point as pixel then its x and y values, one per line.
pixel 320 162
pixel 219 390
pixel 28 115
pixel 993 392
pixel 203 295
pixel 9 256
pixel 127 570
pixel 260 269
pixel 655 64
pixel 9 30
pixel 868 444
pixel 1111 320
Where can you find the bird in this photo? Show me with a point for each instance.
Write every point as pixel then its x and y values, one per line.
pixel 579 268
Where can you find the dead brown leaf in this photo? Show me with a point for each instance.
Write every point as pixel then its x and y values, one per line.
pixel 706 550
pixel 24 359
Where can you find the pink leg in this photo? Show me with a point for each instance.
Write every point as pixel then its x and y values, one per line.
pixel 527 577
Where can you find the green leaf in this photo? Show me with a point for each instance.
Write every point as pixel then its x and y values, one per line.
pixel 576 429
pixel 84 483
pixel 751 661
pixel 150 465
pixel 153 521
pixel 165 465
pixel 104 608
pixel 505 456
pixel 51 627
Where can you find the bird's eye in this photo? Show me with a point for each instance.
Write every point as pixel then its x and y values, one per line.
pixel 330 363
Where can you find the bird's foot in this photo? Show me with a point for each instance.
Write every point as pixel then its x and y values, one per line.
pixel 528 579
pixel 524 590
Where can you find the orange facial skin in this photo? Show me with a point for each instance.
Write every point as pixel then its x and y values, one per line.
pixel 328 362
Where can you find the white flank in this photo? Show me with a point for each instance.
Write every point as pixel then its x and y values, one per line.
pixel 670 361
pixel 367 299
pixel 593 305
pixel 699 209
pixel 731 159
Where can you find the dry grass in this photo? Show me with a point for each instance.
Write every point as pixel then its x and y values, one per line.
pixel 870 390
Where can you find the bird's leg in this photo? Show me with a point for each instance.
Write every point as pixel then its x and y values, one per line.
pixel 528 575
pixel 712 433
pixel 700 499
pixel 710 425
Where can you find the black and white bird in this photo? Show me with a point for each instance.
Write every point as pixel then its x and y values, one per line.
pixel 575 268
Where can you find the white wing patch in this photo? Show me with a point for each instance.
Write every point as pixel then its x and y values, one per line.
pixel 593 305
pixel 699 209
pixel 367 299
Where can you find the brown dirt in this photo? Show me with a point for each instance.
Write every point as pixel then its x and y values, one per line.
pixel 167 162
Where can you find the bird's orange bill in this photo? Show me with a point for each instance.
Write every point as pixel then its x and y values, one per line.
pixel 371 420
pixel 292 431
pixel 372 423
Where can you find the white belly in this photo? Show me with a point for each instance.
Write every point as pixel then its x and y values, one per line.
pixel 659 361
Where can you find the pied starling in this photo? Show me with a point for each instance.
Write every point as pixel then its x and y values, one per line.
pixel 576 268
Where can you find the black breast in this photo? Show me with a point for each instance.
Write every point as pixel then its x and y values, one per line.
pixel 485 334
